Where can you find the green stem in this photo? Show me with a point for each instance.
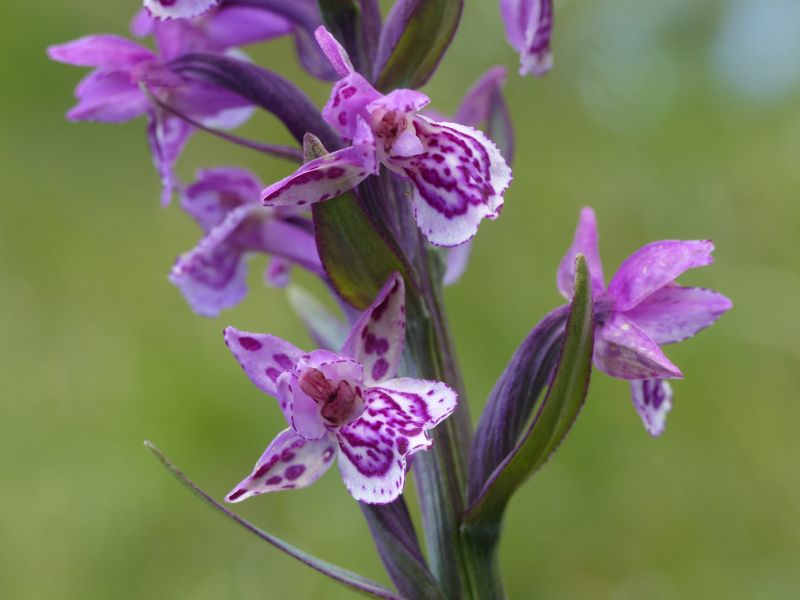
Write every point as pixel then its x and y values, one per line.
pixel 482 564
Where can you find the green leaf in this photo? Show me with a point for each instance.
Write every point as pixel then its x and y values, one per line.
pixel 414 39
pixel 356 24
pixel 352 580
pixel 555 415
pixel 356 257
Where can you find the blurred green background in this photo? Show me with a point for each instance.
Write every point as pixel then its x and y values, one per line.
pixel 674 119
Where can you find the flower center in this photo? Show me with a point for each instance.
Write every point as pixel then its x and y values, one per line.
pixel 341 402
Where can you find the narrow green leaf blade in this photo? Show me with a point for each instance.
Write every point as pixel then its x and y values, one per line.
pixel 413 41
pixel 557 412
pixel 352 580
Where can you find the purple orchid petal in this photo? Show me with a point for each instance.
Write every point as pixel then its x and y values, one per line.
pixel 233 26
pixel 167 136
pixel 654 266
pixel 178 9
pixel 263 357
pixel 459 180
pixel 323 178
pixel 675 313
pixel 101 51
pixel 456 263
pixel 376 339
pixel 289 462
pixel 216 192
pixel 334 52
pixel 213 276
pixel 623 350
pixel 348 99
pixel 373 449
pixel 304 413
pixel 652 399
pixel 529 25
pixel 108 97
pixel 584 242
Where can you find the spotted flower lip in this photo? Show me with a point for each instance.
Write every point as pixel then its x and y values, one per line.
pixel 458 174
pixel 529 25
pixel 224 202
pixel 347 405
pixel 641 309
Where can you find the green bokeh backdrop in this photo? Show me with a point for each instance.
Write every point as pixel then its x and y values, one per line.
pixel 100 352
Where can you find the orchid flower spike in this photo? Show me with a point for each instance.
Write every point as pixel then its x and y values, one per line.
pixel 458 175
pixel 642 309
pixel 529 25
pixel 224 202
pixel 347 405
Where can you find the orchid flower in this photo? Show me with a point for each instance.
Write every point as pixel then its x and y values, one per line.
pixel 641 309
pixel 458 174
pixel 346 405
pixel 529 25
pixel 114 92
pixel 224 202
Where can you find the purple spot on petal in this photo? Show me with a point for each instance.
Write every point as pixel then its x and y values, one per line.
pixel 237 494
pixel 272 373
pixel 283 360
pixel 379 369
pixel 402 444
pixel 249 343
pixel 294 472
pixel 274 480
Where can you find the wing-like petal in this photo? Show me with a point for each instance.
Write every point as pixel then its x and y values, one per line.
pixel 376 339
pixel 584 242
pixel 652 399
pixel 623 350
pixel 400 101
pixel 104 51
pixel 323 178
pixel 334 51
pixel 674 313
pixel 654 266
pixel 459 179
pixel 373 449
pixel 262 356
pixel 289 462
pixel 179 9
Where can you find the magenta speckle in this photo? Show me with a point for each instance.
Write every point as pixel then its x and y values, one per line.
pixel 294 472
pixel 274 480
pixel 379 369
pixel 237 494
pixel 249 343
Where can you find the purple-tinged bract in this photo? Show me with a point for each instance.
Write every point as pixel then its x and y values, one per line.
pixel 345 404
pixel 459 175
pixel 641 309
